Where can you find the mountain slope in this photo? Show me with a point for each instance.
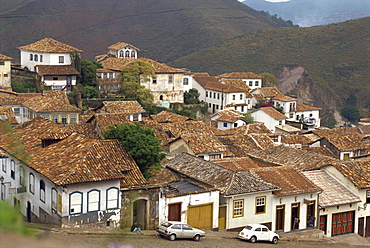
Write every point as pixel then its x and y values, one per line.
pixel 163 29
pixel 336 57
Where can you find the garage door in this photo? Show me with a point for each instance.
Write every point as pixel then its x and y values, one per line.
pixel 342 223
pixel 200 216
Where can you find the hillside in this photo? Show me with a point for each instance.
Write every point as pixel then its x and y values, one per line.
pixel 314 12
pixel 164 30
pixel 335 60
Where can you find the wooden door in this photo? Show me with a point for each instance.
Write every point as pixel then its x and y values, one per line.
pixel 361 226
pixel 222 218
pixel 280 218
pixel 200 216
pixel 342 223
pixel 174 212
pixel 323 223
pixel 367 228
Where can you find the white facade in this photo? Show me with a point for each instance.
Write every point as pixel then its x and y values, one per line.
pixel 5 74
pixel 309 116
pixel 126 52
pixel 31 59
pixel 269 121
pixel 253 83
pixel 60 82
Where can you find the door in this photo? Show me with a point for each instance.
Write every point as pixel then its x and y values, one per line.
pixel 222 218
pixel 361 226
pixel 280 217
pixel 200 216
pixel 311 219
pixel 342 223
pixel 174 212
pixel 323 223
pixel 140 213
pixel 367 228
pixel 295 216
pixel 28 211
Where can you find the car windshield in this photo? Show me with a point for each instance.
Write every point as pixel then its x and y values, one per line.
pixel 166 224
pixel 248 227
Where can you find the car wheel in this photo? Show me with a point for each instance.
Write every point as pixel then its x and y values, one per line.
pixel 253 239
pixel 172 237
pixel 275 240
pixel 196 237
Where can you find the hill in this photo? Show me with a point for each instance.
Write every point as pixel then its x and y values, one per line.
pixel 164 30
pixel 335 59
pixel 314 12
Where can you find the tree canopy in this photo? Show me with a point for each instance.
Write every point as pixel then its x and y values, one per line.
pixel 137 71
pixel 350 111
pixel 191 96
pixel 140 142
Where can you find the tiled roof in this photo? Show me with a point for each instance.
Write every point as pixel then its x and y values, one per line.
pixel 259 97
pixel 346 142
pixel 213 83
pixel 16 99
pixel 86 115
pixel 288 128
pixel 49 45
pixel 165 116
pixel 201 74
pixel 273 113
pixel 365 129
pixel 241 75
pixel 118 63
pixel 123 107
pixel 119 45
pixel 288 179
pixel 7 114
pixel 86 129
pixel 105 120
pixel 3 57
pixel 270 92
pixel 264 141
pixel 56 70
pixel 320 150
pixel 258 128
pixel 284 98
pixel 103 70
pixel 236 164
pixel 295 139
pixel 334 193
pixel 227 181
pixel 203 143
pixel 282 155
pixel 302 107
pixel 229 115
pixel 239 84
pixel 358 172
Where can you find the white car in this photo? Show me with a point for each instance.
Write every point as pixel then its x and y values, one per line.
pixel 256 232
pixel 175 229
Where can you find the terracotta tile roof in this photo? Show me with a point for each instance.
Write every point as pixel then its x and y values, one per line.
pixel 239 84
pixel 365 129
pixel 201 74
pixel 320 150
pixel 346 142
pixel 7 92
pixel 358 172
pixel 3 57
pixel 288 179
pixel 56 70
pixel 288 129
pixel 86 129
pixel 273 113
pixel 269 92
pixel 295 139
pixel 103 70
pixel 86 115
pixel 119 45
pixel 302 107
pixel 313 137
pixel 123 107
pixel 165 116
pixel 258 128
pixel 365 119
pixel 227 181
pixel 264 141
pixel 50 101
pixel 229 115
pixel 7 115
pixel 259 97
pixel 16 99
pixel 203 143
pixel 241 75
pixel 284 98
pixel 236 164
pixel 50 45
pixel 118 63
pixel 282 155
pixel 334 193
pixel 105 120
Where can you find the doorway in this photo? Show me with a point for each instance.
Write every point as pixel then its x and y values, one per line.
pixel 28 212
pixel 295 216
pixel 280 218
pixel 174 212
pixel 140 213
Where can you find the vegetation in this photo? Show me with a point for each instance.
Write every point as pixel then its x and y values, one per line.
pixel 279 20
pixel 350 111
pixel 140 142
pixel 23 87
pixel 248 118
pixel 269 80
pixel 191 96
pixel 12 220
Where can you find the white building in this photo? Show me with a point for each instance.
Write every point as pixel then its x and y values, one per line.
pixel 5 72
pixel 270 117
pixel 250 79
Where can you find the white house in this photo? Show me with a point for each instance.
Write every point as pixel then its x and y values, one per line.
pixel 228 118
pixel 5 72
pixel 270 117
pixel 52 60
pixel 250 79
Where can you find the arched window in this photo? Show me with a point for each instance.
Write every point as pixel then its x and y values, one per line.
pixel 75 203
pixel 42 190
pixel 93 199
pixel 161 97
pixel 112 198
pixel 32 183
pixel 54 199
pixel 120 54
pixel 133 55
pixel 36 57
pixel 21 176
pixel 31 57
pixel 12 169
pixel 127 54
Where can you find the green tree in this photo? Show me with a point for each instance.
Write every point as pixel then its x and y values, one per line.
pixel 23 87
pixel 269 80
pixel 350 111
pixel 137 71
pixel 76 61
pixel 88 73
pixel 140 142
pixel 135 91
pixel 191 96
pixel 90 92
pixel 248 118
pixel 351 100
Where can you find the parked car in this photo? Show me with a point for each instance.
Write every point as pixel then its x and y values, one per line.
pixel 175 229
pixel 256 232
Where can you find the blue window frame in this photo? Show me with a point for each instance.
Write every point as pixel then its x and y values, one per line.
pixel 93 200
pixel 75 202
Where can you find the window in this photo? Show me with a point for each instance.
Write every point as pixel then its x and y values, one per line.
pixel 4 165
pixel 112 198
pixel 55 118
pixel 256 83
pixel 185 81
pixel 170 78
pixel 64 119
pixel 75 203
pixel 54 199
pixel 36 58
pixel 110 75
pixel 214 95
pixel 21 176
pixel 17 111
pixel 93 199
pixel 5 75
pixel 218 95
pixel 31 57
pixel 121 54
pixel 233 97
pixel 32 183
pixel 61 59
pixel 225 124
pixel 12 169
pixel 41 58
pixel 135 117
pixel 215 156
pixel 105 75
pixel 72 119
pixel 241 96
pixel 127 54
pixel 154 81
pixel 42 190
pixel 210 105
pixel 176 226
pixel 238 208
pixel 2 62
pixel 206 93
pixel 260 205
pixel 250 83
pixel 186 227
pixel 133 54
pixel 55 78
pixel 280 122
pixel 291 115
pixel 46 117
pixel 368 196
